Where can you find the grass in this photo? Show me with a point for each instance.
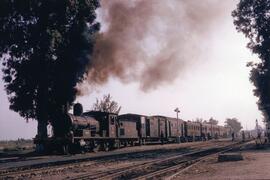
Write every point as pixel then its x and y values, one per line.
pixel 16 145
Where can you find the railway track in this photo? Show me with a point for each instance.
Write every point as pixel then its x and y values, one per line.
pixel 126 171
pixel 156 169
pixel 24 172
pixel 172 171
pixel 9 164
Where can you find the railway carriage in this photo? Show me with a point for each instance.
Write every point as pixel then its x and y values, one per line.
pixel 211 131
pixel 176 129
pixel 204 131
pixel 133 128
pixel 224 131
pixel 157 127
pixel 193 131
pixel 215 131
pixel 153 128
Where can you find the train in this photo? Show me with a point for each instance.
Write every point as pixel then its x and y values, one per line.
pixel 95 131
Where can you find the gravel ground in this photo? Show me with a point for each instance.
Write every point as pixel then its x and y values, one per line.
pixel 254 166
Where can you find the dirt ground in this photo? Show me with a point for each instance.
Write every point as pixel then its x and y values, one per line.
pixel 256 165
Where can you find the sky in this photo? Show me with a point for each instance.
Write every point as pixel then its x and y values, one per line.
pixel 217 86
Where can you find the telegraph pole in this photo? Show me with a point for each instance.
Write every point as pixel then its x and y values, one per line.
pixel 178 128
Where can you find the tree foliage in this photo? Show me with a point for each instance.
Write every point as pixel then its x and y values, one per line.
pixel 106 104
pixel 234 124
pixel 45 47
pixel 212 121
pixel 252 18
pixel 199 120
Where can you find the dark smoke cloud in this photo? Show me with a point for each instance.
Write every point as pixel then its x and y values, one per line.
pixel 151 41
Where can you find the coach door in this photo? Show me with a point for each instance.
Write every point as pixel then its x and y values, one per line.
pixel 112 126
pixel 170 128
pixel 166 128
pixel 142 129
pixel 185 129
pixel 159 133
pixel 182 129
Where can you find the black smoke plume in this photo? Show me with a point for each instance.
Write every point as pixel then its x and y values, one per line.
pixel 150 41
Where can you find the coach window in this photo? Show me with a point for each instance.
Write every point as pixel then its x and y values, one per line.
pixel 112 120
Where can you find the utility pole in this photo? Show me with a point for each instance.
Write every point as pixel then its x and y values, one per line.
pixel 178 128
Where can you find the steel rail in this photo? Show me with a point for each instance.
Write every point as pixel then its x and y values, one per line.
pixel 115 173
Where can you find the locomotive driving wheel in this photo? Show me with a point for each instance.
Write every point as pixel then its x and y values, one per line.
pixel 141 142
pixel 106 146
pixel 96 147
pixel 65 149
pixel 116 144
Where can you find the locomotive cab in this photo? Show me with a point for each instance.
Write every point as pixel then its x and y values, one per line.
pixel 108 123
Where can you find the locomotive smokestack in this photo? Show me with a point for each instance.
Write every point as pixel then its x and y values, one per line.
pixel 77 109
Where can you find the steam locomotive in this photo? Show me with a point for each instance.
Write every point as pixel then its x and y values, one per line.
pixel 94 131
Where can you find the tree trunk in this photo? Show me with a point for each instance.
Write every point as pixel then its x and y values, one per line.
pixel 42 129
pixel 42 114
pixel 42 90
